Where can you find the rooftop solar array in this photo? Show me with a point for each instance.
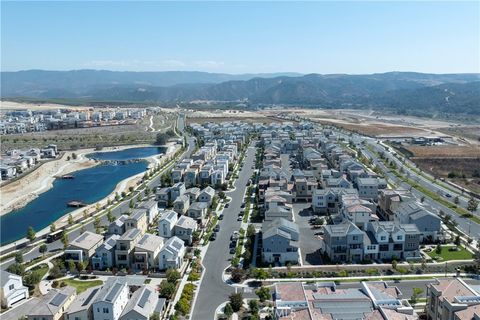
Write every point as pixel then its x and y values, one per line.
pixel 144 298
pixel 90 297
pixel 58 299
pixel 111 295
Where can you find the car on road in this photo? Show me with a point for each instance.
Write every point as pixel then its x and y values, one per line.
pixel 243 205
pixel 217 228
pixel 448 195
pixel 227 205
pixel 233 244
pixel 239 218
pixel 235 235
pixel 213 236
pixel 232 250
pixel 220 217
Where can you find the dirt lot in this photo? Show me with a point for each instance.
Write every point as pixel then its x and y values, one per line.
pixel 471 133
pixel 444 151
pixel 259 119
pixel 382 130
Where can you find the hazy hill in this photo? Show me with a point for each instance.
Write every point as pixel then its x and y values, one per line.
pixel 406 92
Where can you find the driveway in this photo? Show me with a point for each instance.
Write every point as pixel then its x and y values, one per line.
pixel 309 243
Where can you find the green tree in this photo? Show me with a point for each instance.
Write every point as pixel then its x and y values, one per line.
pixel 456 200
pixel 71 265
pixel 438 249
pixel 260 274
pixel 110 216
pixel 74 156
pixel 416 293
pixel 457 240
pixel 263 294
pixel 394 264
pixel 18 257
pixel 472 205
pixel 32 279
pixel 172 275
pixel 65 239
pixel 251 230
pixel 53 227
pixel 16 268
pixel 96 222
pixel 81 266
pixel 167 289
pixel 228 310
pixel 43 248
pixel 31 234
pixel 237 274
pixel 131 204
pixel 253 306
pixel 236 301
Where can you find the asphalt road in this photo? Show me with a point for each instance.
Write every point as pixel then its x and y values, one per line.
pixel 117 211
pixel 213 291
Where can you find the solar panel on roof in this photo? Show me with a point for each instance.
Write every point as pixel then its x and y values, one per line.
pixel 144 298
pixel 111 295
pixel 90 297
pixel 58 299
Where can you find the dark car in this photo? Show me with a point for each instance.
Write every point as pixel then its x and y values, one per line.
pixel 448 195
pixel 227 205
pixel 232 250
pixel 233 244
pixel 220 217
pixel 213 236
pixel 243 205
pixel 217 228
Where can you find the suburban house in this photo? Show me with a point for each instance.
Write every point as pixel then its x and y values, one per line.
pixel 125 245
pixel 276 211
pixel 166 224
pixel 12 290
pixel 343 242
pixel 452 299
pixel 280 241
pixel 198 210
pixel 83 247
pixel 427 223
pixel 341 182
pixel 206 195
pixel 193 194
pixel 181 204
pixel 177 174
pixel 81 307
pixel 184 228
pixel 172 253
pixel 163 197
pixel 191 177
pixel 141 305
pixel 53 305
pixel 137 220
pixel 118 226
pixel 152 209
pixel 105 254
pixel 177 190
pixel 368 187
pixel 145 256
pixel 111 300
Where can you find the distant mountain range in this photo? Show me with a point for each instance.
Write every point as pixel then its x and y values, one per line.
pixel 406 92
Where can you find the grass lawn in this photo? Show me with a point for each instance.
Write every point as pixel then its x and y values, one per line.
pixel 447 255
pixel 41 269
pixel 82 285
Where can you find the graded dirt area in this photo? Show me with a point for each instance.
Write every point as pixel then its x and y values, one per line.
pixel 444 151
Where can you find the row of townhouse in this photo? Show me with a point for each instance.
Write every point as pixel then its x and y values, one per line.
pixel 375 300
pixel 381 240
pixel 16 161
pixel 116 299
pixel 128 245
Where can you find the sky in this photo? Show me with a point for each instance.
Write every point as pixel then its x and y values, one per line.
pixel 242 37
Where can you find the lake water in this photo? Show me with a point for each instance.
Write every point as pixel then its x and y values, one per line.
pixel 89 186
pixel 126 154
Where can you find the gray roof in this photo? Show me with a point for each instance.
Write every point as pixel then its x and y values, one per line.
pixel 84 300
pixel 186 223
pixel 168 215
pixel 87 240
pixel 52 302
pixel 149 242
pixel 5 276
pixel 110 242
pixel 367 181
pixel 173 245
pixel 120 221
pixel 110 290
pixel 198 206
pixel 209 190
pixel 342 229
pixel 137 214
pixel 143 301
pixel 148 204
pixel 130 234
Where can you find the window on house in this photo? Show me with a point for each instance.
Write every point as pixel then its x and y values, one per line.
pixel 105 310
pixel 10 287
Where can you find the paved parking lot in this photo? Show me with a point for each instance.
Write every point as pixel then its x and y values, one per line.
pixel 309 243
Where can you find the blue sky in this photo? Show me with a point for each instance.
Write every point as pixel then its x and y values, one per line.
pixel 242 37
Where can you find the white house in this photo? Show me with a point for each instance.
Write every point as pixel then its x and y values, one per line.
pixel 166 223
pixel 111 300
pixel 141 305
pixel 172 253
pixel 12 289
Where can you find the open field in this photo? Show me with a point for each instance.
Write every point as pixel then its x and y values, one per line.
pixel 71 139
pixel 12 105
pixel 470 133
pixel 444 151
pixel 259 119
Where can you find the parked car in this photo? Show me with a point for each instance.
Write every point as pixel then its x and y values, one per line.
pixel 220 217
pixel 235 235
pixel 232 250
pixel 227 205
pixel 240 218
pixel 217 228
pixel 233 243
pixel 213 236
pixel 243 205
